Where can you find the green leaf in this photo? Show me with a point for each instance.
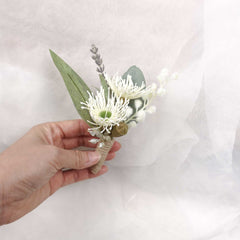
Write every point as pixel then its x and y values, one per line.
pixel 137 75
pixel 133 106
pixel 138 79
pixel 104 85
pixel 77 88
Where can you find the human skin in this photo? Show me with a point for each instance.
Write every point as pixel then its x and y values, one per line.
pixel 31 168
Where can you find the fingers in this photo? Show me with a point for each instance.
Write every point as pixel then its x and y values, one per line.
pixel 116 146
pixel 70 143
pixel 63 178
pixel 75 159
pixel 73 176
pixel 110 156
pixel 73 128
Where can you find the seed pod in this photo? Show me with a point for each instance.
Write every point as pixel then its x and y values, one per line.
pixel 119 130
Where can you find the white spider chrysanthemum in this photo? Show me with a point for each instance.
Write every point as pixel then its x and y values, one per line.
pixel 106 113
pixel 125 87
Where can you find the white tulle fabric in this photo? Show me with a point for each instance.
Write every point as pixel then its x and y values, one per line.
pixel 177 175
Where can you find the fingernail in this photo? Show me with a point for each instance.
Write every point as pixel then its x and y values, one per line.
pixel 94 157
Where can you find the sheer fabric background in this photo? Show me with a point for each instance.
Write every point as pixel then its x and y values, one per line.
pixel 177 174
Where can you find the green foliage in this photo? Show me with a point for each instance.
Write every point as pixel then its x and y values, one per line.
pixel 104 85
pixel 77 88
pixel 137 75
pixel 138 79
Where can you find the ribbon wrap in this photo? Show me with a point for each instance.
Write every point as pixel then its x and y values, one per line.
pixel 103 148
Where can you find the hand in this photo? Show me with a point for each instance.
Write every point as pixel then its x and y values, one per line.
pixel 31 169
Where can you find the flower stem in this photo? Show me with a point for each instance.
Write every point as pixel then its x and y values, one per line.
pixel 103 148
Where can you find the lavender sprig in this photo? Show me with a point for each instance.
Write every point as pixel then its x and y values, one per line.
pixel 97 58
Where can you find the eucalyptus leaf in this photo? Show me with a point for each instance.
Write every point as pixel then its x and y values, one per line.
pixel 77 88
pixel 104 85
pixel 138 79
pixel 137 75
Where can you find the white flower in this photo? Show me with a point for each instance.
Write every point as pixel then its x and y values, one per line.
pixel 106 113
pixel 151 109
pixel 141 115
pixel 125 87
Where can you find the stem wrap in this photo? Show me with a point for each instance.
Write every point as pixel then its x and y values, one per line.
pixel 104 152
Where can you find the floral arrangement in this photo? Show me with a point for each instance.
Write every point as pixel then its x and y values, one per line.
pixel 120 103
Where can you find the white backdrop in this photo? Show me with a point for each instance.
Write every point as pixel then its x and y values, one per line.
pixel 177 175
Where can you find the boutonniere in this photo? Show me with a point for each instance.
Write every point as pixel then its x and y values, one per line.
pixel 121 102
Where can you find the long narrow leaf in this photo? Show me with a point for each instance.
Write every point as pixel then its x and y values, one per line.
pixel 77 88
pixel 104 85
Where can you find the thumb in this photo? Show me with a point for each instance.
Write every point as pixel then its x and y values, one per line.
pixel 76 159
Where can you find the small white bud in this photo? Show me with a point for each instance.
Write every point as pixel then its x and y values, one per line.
pixel 163 76
pixel 153 86
pixel 138 103
pixel 141 115
pixel 174 76
pixel 129 111
pixel 94 140
pixel 164 71
pixel 101 145
pixel 92 133
pixel 151 109
pixel 132 124
pixel 161 91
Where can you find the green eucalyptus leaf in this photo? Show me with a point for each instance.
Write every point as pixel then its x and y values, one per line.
pixel 77 88
pixel 104 85
pixel 137 75
pixel 138 79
